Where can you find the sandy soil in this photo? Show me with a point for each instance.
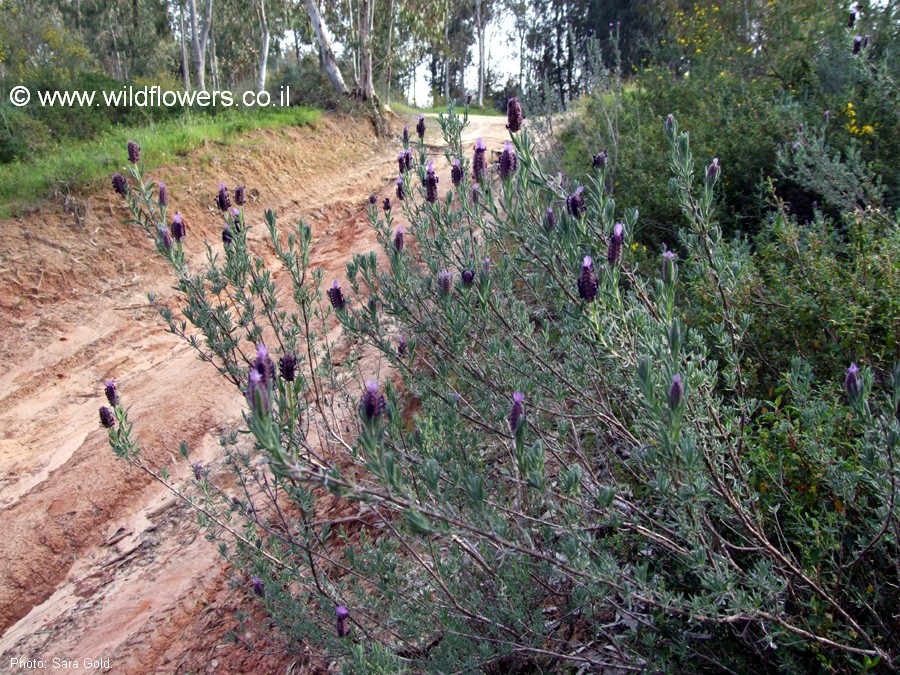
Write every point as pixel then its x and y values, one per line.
pixel 96 561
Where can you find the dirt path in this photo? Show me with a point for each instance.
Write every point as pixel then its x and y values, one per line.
pixel 95 561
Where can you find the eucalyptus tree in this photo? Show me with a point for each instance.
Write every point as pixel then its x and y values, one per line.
pixel 484 10
pixel 326 53
pixel 260 6
pixel 200 30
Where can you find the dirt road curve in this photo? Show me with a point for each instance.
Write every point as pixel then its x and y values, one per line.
pixel 95 561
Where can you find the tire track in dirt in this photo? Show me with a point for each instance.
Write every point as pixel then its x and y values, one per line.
pixel 97 561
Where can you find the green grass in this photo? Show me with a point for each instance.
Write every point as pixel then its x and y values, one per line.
pixel 403 109
pixel 77 165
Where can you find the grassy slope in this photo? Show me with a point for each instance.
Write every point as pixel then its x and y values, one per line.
pixel 75 165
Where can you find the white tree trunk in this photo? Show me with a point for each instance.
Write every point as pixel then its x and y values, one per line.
pixel 199 39
pixel 447 55
pixel 264 45
pixel 329 63
pixel 213 61
pixel 366 16
pixel 479 22
pixel 390 55
pixel 185 66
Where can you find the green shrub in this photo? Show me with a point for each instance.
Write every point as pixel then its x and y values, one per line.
pixel 830 293
pixel 21 136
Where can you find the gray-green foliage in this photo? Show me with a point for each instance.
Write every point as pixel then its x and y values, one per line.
pixel 641 510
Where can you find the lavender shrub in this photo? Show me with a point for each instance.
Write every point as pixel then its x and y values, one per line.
pixel 570 477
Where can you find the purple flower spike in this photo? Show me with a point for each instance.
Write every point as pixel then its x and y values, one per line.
pixel 134 152
pixel 227 237
pixel 264 365
pixel 445 282
pixel 178 227
pixel 257 384
pixel 476 192
pixel 112 394
pixel 408 157
pixel 163 194
pixel 401 346
pixel 587 282
pixel 287 365
pixel 575 203
pixel 401 161
pixel 468 277
pixel 258 586
pixel 549 219
pixel 468 99
pixel 857 44
pixel 852 20
pixel 420 127
pixel 517 412
pixel 405 134
pixel 343 620
pixel 614 254
pixel 676 392
pixel 373 199
pixel 400 189
pixel 239 195
pixel 197 468
pixel 456 173
pixel 668 267
pixel 106 417
pixel 514 115
pixel 336 296
pixel 431 183
pixel 165 236
pixel 670 124
pixel 386 204
pixel 508 161
pixel 713 171
pixel 479 161
pixel 852 383
pixel 120 185
pixel 373 403
pixel 398 239
pixel 223 201
pixel 599 160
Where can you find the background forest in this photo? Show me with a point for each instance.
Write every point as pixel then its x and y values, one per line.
pixel 755 69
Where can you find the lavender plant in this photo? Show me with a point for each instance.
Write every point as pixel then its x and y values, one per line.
pixel 563 471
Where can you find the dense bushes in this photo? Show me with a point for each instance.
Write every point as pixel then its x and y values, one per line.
pixel 565 465
pixel 747 93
